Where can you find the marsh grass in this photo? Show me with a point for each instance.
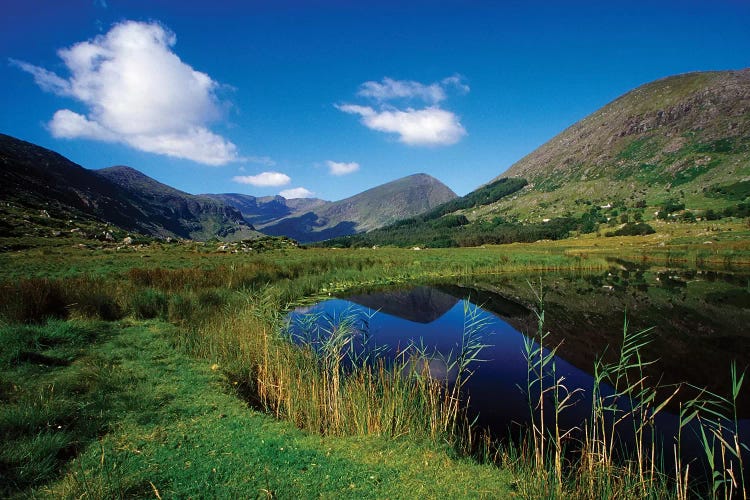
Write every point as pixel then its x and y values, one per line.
pixel 55 398
pixel 616 452
pixel 231 313
pixel 328 376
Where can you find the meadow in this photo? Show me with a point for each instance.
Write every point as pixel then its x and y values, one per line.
pixel 164 369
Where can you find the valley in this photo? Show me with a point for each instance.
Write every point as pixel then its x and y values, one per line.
pixel 148 347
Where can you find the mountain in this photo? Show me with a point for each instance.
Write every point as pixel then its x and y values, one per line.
pixel 37 180
pixel 675 149
pixel 175 212
pixel 317 220
pixel 267 209
pixel 685 137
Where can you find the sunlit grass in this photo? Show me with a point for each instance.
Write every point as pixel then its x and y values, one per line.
pixel 228 311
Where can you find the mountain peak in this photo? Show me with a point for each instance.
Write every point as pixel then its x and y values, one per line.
pixel 688 132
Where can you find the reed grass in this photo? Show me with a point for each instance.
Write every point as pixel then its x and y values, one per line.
pixel 592 461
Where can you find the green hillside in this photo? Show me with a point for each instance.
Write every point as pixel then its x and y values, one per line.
pixel 677 149
pixel 374 208
pixel 685 138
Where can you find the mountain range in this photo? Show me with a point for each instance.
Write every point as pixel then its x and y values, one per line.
pixel 309 220
pixel 674 148
pixel 677 148
pixel 42 181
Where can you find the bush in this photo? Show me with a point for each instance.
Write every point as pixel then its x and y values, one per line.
pixel 150 303
pixel 212 298
pixel 181 308
pixel 632 229
pixel 97 305
pixel 33 301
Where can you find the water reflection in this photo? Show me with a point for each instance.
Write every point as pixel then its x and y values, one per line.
pixel 421 304
pixel 699 319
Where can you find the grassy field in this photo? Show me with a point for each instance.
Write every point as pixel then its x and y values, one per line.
pixel 162 370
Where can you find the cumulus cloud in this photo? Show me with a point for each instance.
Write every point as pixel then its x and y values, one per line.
pixel 428 126
pixel 390 89
pixel 341 168
pixel 263 179
pixel 298 192
pixel 415 127
pixel 137 91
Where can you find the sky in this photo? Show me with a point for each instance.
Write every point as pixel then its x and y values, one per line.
pixel 328 98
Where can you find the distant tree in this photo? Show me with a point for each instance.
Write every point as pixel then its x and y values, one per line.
pixel 710 214
pixel 631 229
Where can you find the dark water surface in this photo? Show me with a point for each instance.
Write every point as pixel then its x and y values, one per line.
pixel 700 323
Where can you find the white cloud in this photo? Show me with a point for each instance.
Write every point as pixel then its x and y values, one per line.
pixel 299 192
pixel 260 160
pixel 47 80
pixel 416 127
pixel 395 89
pixel 341 168
pixel 137 91
pixel 390 89
pixel 429 126
pixel 264 179
pixel 67 124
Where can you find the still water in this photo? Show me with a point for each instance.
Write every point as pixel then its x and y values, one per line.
pixel 699 324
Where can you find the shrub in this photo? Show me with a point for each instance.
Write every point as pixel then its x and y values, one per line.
pixel 212 298
pixel 97 304
pixel 150 303
pixel 632 229
pixel 181 308
pixel 33 301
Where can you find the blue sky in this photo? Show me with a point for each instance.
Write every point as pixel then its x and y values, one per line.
pixel 330 98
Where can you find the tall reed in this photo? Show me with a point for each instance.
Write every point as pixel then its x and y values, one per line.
pixel 624 409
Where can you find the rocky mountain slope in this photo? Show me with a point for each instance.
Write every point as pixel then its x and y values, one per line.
pixel 38 180
pixel 265 210
pixel 178 212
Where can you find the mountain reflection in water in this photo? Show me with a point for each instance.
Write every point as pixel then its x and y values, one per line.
pixel 699 320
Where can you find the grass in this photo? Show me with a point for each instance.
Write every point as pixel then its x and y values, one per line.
pixel 152 419
pixel 87 348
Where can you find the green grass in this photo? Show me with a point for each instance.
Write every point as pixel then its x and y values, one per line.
pixel 131 415
pixel 140 410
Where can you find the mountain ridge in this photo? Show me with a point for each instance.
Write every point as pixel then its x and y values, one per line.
pixel 40 179
pixel 370 209
pixel 676 149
